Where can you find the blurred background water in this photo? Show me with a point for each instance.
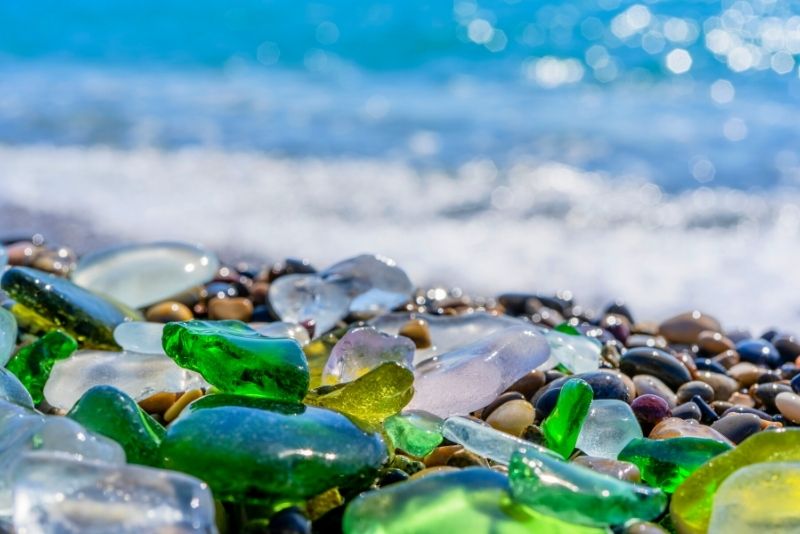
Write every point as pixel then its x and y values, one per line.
pixel 642 150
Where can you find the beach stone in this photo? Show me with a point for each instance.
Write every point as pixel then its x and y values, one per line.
pixel 440 455
pixel 308 299
pixel 650 385
pixel 375 284
pixel 674 427
pixel 33 363
pixel 168 312
pixel 140 336
pixel 788 346
pixel 666 463
pixel 87 317
pixel 12 390
pixel 642 527
pixel 577 494
pixel 372 397
pixel 278 450
pixel 656 363
pixel 111 413
pixel 236 359
pixel 765 394
pixel 363 349
pixel 695 387
pixel 512 417
pixel 758 352
pixel 417 433
pixel 502 399
pixel 742 399
pixel 469 378
pixel 645 340
pixel 55 493
pixel 758 498
pixel 138 375
pixel 650 409
pixel 723 385
pixel 737 426
pixel 686 328
pixel 466 500
pixel 687 410
pixel 620 470
pixel 417 331
pixel 234 308
pixel 727 359
pixel 141 275
pixel 691 505
pixel 713 342
pixel 789 405
pixel 610 425
pixel 745 373
pixel 529 384
pixel 707 413
pixel 604 384
pixel 8 334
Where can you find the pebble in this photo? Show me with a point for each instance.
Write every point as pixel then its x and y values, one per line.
pixel 180 403
pixel 169 311
pixel 788 346
pixel 713 343
pixel 789 405
pixel 234 308
pixel 687 327
pixel 502 399
pixel 650 409
pixel 621 470
pixel 440 455
pixel 723 385
pixel 417 331
pixel 674 427
pixel 604 384
pixel 745 373
pixel 657 363
pixel 695 387
pixel 529 384
pixel 650 385
pixel 765 394
pixel 737 426
pixel 687 410
pixel 727 359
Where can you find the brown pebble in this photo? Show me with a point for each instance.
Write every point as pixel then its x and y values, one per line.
pixel 158 402
pixel 417 331
pixel 713 342
pixel 21 253
pixel 745 373
pixel 615 468
pixel 512 417
pixel 643 527
pixel 674 427
pixel 465 458
pixel 723 385
pixel 742 399
pixel 234 308
pixel 440 455
pixel 505 397
pixel 181 403
pixel 643 340
pixel 727 359
pixel 258 292
pixel 685 328
pixel 529 384
pixel 647 328
pixel 432 470
pixel 692 388
pixel 648 384
pixel 168 311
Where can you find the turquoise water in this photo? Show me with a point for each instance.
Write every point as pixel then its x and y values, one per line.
pixel 642 150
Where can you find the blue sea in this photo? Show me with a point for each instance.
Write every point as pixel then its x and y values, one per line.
pixel 640 150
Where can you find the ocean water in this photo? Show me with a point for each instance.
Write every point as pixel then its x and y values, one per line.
pixel 638 150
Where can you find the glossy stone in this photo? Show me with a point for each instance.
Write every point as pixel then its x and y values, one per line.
pixel 650 385
pixel 738 426
pixel 55 493
pixel 374 283
pixel 111 413
pixel 579 495
pixel 416 433
pixel 758 498
pixel 766 394
pixel 8 334
pixel 308 299
pixel 140 336
pixel 33 363
pixel 373 397
pixel 168 312
pixel 650 409
pixel 563 426
pixel 695 387
pixel 237 359
pixel 789 405
pixel 686 328
pixel 12 390
pixel 758 352
pixel 278 450
pixel 620 470
pixel 512 417
pixel 469 378
pixel 87 317
pixel 674 427
pixel 608 428
pixel 363 349
pixel 666 463
pixel 657 363
pixel 138 375
pixel 467 500
pixel 691 504
pixel 604 384
pixel 140 275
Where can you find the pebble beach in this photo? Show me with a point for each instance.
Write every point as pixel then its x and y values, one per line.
pixel 184 394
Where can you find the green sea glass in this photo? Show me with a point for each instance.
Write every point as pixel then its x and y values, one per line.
pixel 414 432
pixel 110 412
pixel 256 450
pixel 89 318
pixel 472 500
pixel 691 504
pixel 666 463
pixel 563 426
pixel 32 364
pixel 577 494
pixel 373 397
pixel 236 359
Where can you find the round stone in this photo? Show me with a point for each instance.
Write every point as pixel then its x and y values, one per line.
pixel 650 409
pixel 236 308
pixel 674 427
pixel 615 468
pixel 789 405
pixel 512 417
pixel 737 426
pixel 695 387
pixel 713 342
pixel 657 363
pixel 168 312
pixel 650 385
pixel 687 327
